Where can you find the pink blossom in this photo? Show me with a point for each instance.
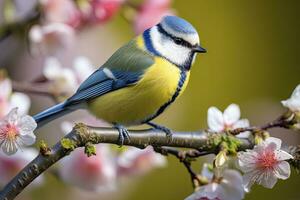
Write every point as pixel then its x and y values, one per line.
pixel 151 13
pixel 138 162
pixel 103 10
pixel 11 165
pixel 156 4
pixel 229 120
pixel 95 173
pixel 16 131
pixel 10 100
pixel 264 164
pixel 61 11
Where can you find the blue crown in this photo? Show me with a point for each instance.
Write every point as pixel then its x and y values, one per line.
pixel 178 24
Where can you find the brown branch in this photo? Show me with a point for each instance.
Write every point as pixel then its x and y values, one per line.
pixel 82 135
pixel 185 158
pixel 282 122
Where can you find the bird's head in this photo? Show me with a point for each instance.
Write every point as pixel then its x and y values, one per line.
pixel 174 39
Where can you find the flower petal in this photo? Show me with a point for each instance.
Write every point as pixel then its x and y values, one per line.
pixel 207 172
pixel 232 114
pixel 242 123
pixel 215 119
pixel 296 91
pixel 293 104
pixel 26 124
pixel 249 179
pixel 283 170
pixel 52 68
pixel 5 88
pixel 28 139
pixel 210 191
pixel 232 183
pixel 9 147
pixel 20 100
pixel 12 117
pixel 274 140
pixel 268 179
pixel 283 155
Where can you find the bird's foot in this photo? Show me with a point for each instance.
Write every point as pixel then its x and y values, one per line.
pixel 161 128
pixel 123 134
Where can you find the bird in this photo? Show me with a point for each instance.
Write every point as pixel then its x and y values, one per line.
pixel 139 81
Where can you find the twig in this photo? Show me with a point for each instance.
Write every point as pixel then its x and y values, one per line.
pixel 183 157
pixel 281 122
pixel 41 89
pixel 82 135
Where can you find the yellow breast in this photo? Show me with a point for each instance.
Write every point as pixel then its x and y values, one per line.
pixel 136 103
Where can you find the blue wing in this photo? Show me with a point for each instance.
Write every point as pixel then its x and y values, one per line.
pixel 100 83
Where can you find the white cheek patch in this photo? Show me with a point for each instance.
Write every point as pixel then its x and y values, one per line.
pixel 109 74
pixel 169 49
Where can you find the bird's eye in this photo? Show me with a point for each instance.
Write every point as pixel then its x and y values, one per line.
pixel 179 41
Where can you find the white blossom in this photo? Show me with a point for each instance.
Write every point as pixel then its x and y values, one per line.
pixel 293 103
pixel 51 39
pixel 139 161
pixel 66 80
pixel 264 164
pixel 16 131
pixel 229 120
pixel 228 188
pixel 10 100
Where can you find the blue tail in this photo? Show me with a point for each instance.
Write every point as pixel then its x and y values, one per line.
pixel 51 113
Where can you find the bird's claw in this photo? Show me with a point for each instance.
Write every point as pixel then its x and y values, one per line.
pixel 161 128
pixel 123 134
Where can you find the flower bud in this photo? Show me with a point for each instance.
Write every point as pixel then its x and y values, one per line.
pixel 221 159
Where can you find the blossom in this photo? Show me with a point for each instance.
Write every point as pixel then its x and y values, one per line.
pixel 95 173
pixel 66 80
pixel 13 164
pixel 293 103
pixel 51 39
pixel 151 13
pixel 138 162
pixel 103 10
pixel 15 131
pixel 229 187
pixel 61 11
pixel 264 164
pixel 9 99
pixel 229 120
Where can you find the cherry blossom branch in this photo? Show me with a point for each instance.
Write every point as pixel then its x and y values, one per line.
pixel 83 136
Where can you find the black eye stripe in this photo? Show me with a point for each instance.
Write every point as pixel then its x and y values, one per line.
pixel 177 40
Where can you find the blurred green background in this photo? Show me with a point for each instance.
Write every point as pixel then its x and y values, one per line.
pixel 253 60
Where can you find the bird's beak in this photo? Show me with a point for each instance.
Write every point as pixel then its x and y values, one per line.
pixel 199 49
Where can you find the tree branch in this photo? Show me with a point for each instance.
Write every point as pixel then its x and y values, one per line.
pixel 82 135
pixel 41 89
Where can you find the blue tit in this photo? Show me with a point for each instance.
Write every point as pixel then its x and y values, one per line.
pixel 139 81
